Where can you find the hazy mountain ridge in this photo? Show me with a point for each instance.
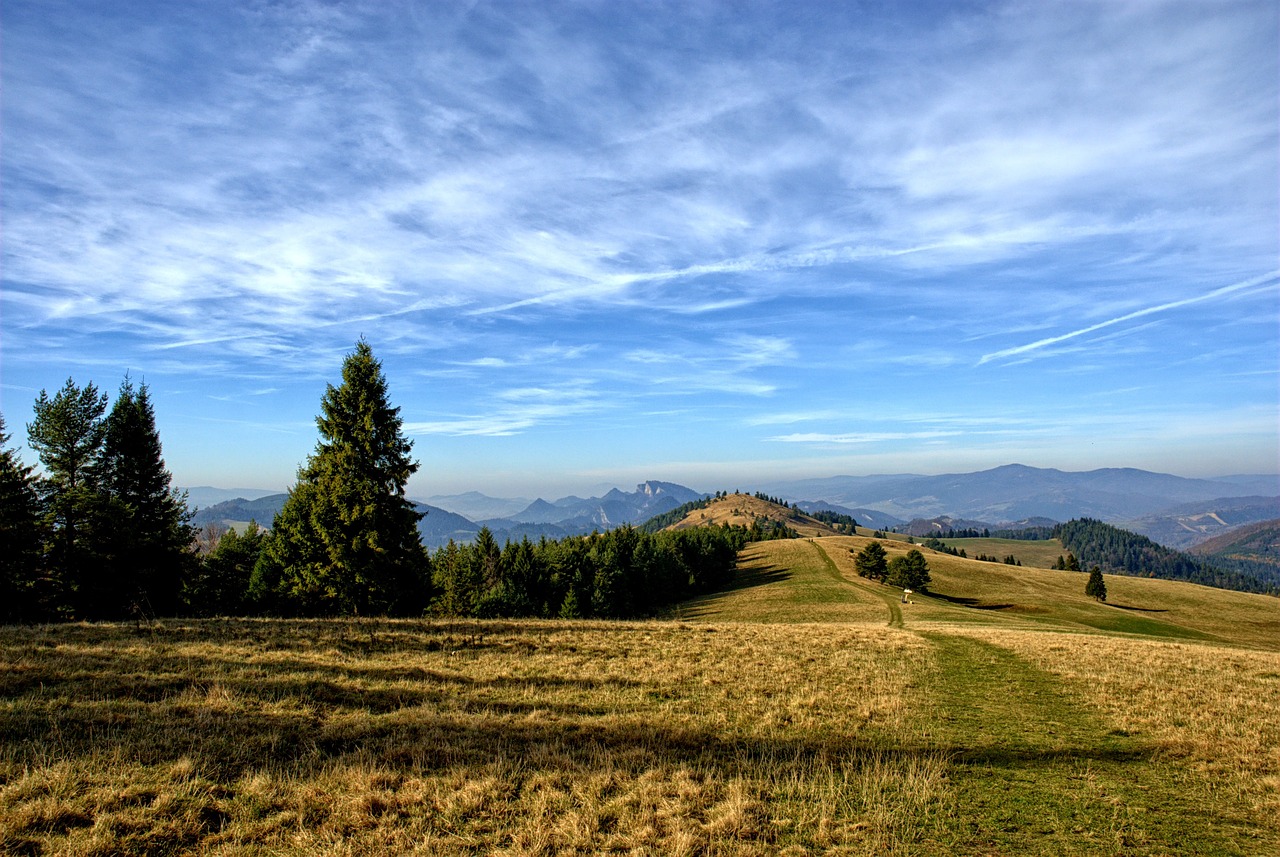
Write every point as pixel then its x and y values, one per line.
pixel 1016 492
pixel 944 523
pixel 1159 506
pixel 1252 549
pixel 614 509
pixel 477 506
pixel 201 496
pixel 1190 524
pixel 872 518
pixel 565 517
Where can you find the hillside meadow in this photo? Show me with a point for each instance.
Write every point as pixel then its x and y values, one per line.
pixel 804 711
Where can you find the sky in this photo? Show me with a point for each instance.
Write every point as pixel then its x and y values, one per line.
pixel 593 243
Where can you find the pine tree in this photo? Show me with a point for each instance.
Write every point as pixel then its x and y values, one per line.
pixel 220 585
pixel 872 562
pixel 1095 587
pixel 150 543
pixel 67 434
pixel 346 541
pixel 909 572
pixel 20 537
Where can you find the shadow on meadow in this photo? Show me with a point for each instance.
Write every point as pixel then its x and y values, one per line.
pixel 748 577
pixel 152 699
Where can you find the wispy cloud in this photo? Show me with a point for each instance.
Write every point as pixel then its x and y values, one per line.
pixel 1269 279
pixel 861 437
pixel 515 411
pixel 704 209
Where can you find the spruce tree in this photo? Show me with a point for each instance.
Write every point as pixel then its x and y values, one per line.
pixel 346 541
pixel 220 585
pixel 909 572
pixel 151 540
pixel 20 537
pixel 872 562
pixel 1095 587
pixel 67 434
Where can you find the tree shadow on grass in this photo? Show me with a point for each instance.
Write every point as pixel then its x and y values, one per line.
pixel 227 745
pixel 977 604
pixel 155 707
pixel 744 578
pixel 953 599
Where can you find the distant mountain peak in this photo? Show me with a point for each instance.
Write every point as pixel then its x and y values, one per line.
pixel 653 488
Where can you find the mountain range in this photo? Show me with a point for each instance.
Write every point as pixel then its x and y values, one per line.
pixel 555 519
pixel 1015 492
pixel 1168 509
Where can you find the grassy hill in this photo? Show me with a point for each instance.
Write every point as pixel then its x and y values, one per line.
pixel 802 711
pixel 814 580
pixel 741 510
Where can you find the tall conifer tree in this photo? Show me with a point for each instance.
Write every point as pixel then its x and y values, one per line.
pixel 151 540
pixel 67 434
pixel 20 537
pixel 347 540
pixel 1095 587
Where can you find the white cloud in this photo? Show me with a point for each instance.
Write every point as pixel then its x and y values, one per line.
pixel 1251 283
pixel 861 437
pixel 515 411
pixel 239 192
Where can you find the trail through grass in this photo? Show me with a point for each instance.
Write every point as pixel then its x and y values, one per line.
pixel 890 598
pixel 1039 772
pixel 804 712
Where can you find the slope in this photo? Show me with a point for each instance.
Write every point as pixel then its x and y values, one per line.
pixel 1253 550
pixel 815 580
pixel 742 510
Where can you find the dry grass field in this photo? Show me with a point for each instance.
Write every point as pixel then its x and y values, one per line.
pixel 804 712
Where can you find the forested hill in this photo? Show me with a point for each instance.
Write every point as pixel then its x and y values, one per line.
pixel 1253 550
pixel 1119 551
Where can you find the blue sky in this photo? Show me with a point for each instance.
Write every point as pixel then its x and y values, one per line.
pixel 600 242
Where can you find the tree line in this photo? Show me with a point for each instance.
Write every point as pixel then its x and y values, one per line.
pixel 100 533
pixel 1122 552
pixel 838 521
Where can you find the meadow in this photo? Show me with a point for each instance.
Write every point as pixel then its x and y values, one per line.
pixel 804 711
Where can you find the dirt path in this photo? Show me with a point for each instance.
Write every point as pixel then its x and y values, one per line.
pixel 890 600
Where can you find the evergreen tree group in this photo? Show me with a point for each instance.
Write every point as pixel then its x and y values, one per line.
pixel 1118 551
pixel 100 534
pixel 910 571
pixel 942 547
pixel 622 573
